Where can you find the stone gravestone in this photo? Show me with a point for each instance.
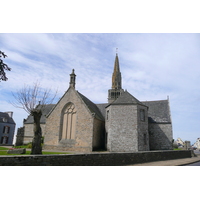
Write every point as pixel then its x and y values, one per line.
pixel 16 151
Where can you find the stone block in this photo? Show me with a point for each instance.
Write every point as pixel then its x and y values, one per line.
pixel 17 151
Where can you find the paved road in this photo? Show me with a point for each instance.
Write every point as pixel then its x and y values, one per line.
pixel 196 151
pixel 194 164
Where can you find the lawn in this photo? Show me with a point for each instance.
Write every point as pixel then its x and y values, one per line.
pixel 178 149
pixel 3 152
pixel 3 148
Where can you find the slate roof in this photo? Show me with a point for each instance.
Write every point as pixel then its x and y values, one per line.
pixel 45 111
pixel 126 98
pixel 158 111
pixel 92 107
pixel 5 115
pixel 102 108
pixel 48 108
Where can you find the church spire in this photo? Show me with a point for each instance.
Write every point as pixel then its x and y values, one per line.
pixel 116 90
pixel 72 82
pixel 116 77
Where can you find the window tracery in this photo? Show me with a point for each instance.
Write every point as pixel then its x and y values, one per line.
pixel 69 122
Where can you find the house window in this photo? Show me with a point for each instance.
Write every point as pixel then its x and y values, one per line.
pixel 5 119
pixel 4 140
pixel 6 129
pixel 69 122
pixel 142 115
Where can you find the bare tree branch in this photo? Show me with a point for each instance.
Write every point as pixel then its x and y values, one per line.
pixel 28 98
pixel 33 100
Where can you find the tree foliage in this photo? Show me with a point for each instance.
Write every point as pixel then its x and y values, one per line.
pixel 3 67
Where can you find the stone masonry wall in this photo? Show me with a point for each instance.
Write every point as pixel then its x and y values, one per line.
pixel 121 128
pixel 101 159
pixel 83 129
pixel 20 136
pixel 160 136
pixel 28 132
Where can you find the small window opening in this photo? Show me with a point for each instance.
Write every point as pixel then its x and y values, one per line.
pixel 107 116
pixel 142 115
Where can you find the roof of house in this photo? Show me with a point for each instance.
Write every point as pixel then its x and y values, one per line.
pixel 92 107
pixel 49 107
pixel 45 110
pixel 159 111
pixel 102 108
pixel 126 98
pixel 6 115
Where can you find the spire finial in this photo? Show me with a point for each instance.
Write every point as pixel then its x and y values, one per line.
pixel 116 50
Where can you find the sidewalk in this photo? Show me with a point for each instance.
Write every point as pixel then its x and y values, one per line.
pixel 175 162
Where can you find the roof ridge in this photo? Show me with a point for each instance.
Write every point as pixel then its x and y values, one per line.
pixel 155 100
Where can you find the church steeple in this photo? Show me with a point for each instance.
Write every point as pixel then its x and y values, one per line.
pixel 116 77
pixel 116 90
pixel 72 82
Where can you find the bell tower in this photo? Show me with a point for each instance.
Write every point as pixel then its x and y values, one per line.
pixel 116 90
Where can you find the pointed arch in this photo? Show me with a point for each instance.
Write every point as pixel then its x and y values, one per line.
pixel 68 122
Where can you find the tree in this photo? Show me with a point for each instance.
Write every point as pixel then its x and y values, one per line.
pixel 3 67
pixel 33 100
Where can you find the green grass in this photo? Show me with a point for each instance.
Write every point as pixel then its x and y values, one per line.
pixel 3 148
pixel 24 146
pixel 177 149
pixel 3 153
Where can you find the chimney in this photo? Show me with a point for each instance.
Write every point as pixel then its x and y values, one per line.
pixel 10 114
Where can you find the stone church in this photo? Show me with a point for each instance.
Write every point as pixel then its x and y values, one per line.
pixel 123 124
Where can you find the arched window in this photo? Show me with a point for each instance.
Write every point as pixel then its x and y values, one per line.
pixel 69 122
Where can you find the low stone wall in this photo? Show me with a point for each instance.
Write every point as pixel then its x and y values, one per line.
pixel 93 159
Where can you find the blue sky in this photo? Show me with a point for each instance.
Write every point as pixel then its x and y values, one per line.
pixel 153 66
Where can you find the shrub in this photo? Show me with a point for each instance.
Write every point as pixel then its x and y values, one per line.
pixel 175 146
pixel 29 145
pixel 42 140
